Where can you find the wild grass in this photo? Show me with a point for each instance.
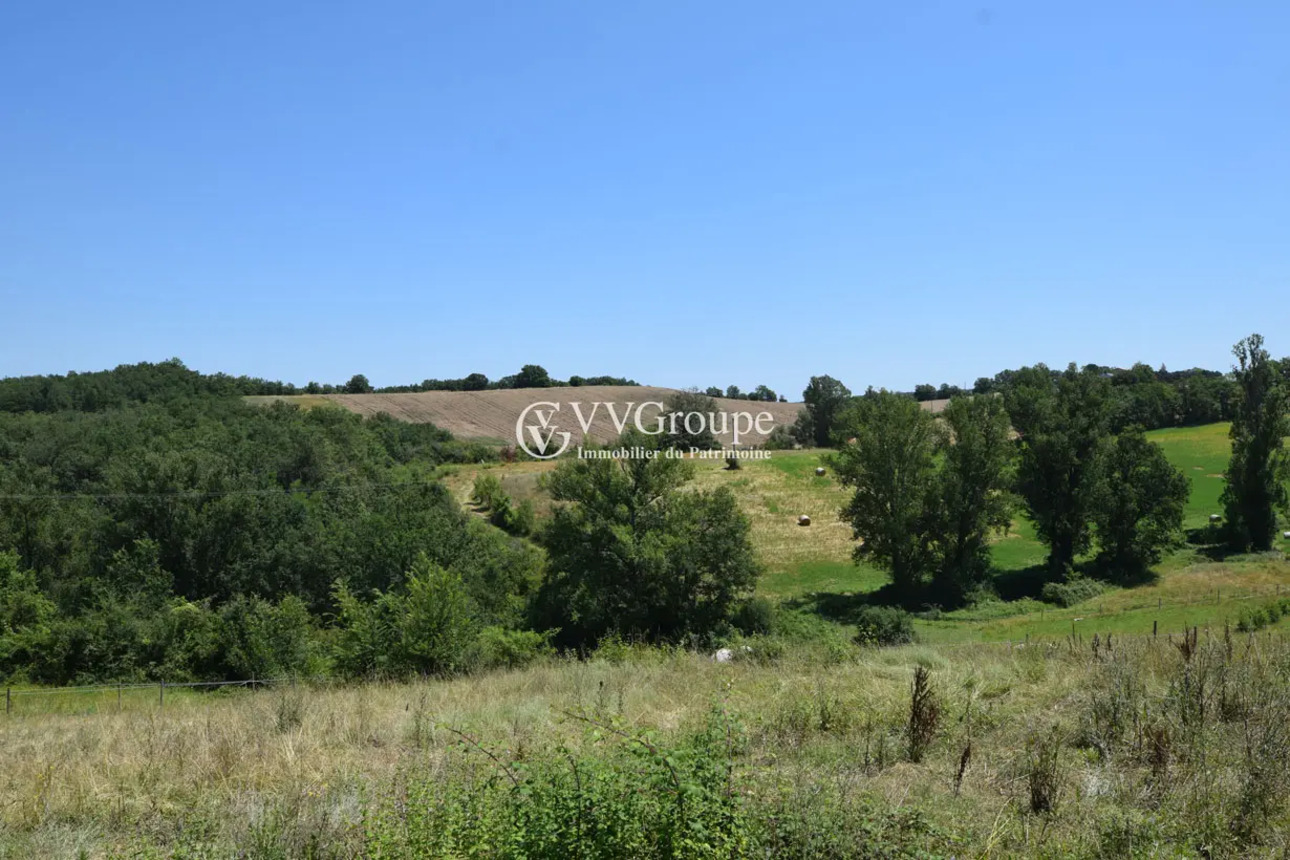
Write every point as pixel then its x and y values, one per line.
pixel 1135 748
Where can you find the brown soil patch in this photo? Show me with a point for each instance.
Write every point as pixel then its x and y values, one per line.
pixel 491 415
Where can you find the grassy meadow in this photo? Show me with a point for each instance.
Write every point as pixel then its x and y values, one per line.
pixel 1140 749
pixel 811 567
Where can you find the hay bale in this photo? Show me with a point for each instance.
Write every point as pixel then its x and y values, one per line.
pixel 803 520
pixel 1286 535
pixel 1213 518
pixel 819 471
pixel 723 655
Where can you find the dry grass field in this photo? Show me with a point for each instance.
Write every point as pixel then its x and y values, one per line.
pixel 491 415
pixel 1138 750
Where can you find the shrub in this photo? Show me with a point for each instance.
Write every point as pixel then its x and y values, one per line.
pixel 1070 593
pixel 754 616
pixel 1251 620
pixel 780 439
pixel 637 797
pixel 487 491
pixel 519 520
pixel 498 647
pixel 423 628
pixel 884 625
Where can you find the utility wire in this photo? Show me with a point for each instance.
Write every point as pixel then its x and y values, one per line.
pixel 181 494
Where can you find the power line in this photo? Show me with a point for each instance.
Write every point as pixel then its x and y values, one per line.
pixel 182 494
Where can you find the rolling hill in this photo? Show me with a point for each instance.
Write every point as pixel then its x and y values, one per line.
pixel 491 415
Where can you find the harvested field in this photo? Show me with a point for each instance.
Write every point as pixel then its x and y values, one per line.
pixel 491 415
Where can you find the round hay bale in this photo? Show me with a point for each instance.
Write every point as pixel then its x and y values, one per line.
pixel 1213 518
pixel 819 471
pixel 803 520
pixel 1286 535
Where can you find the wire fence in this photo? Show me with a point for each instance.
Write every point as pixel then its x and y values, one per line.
pixel 1079 629
pixel 160 687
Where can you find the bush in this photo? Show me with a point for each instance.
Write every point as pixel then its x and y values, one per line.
pixel 884 625
pixel 638 796
pixel 1265 616
pixel 780 439
pixel 423 628
pixel 498 647
pixel 519 520
pixel 1070 593
pixel 487 491
pixel 754 616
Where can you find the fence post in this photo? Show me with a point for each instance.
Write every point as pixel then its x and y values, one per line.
pixel 8 700
pixel 1153 629
pixel 161 694
pixel 118 695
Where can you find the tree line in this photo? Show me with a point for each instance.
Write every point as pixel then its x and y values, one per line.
pixel 929 492
pixel 190 536
pixel 148 382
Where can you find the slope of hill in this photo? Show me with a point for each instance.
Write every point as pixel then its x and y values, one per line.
pixel 492 415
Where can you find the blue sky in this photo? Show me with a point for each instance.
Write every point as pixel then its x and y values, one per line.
pixel 688 194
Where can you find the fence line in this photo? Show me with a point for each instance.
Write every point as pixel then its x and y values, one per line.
pixel 160 686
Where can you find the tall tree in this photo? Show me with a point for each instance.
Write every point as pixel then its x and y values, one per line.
pixel 1259 468
pixel 358 384
pixel 892 466
pixel 532 376
pixel 1062 419
pixel 1138 502
pixel 825 399
pixel 696 434
pixel 975 479
pixel 631 552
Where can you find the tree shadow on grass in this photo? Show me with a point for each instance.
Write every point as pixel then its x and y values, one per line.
pixel 845 607
pixel 1208 542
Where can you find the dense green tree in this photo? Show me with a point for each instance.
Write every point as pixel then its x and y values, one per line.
pixel 1257 474
pixel 924 392
pixel 802 430
pixel 974 481
pixel 1137 505
pixel 533 376
pixel 425 627
pixel 713 391
pixel 631 552
pixel 681 405
pixel 1062 419
pixel 825 399
pixel 358 384
pixel 474 382
pixel 892 468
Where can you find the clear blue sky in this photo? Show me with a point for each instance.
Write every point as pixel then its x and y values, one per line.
pixel 685 193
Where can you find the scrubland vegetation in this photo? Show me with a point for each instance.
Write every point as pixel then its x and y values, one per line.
pixel 1110 748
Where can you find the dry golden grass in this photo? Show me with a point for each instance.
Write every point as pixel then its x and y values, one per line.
pixel 771 493
pixel 99 781
pixel 491 415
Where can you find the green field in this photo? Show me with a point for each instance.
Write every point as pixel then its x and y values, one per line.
pixel 812 566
